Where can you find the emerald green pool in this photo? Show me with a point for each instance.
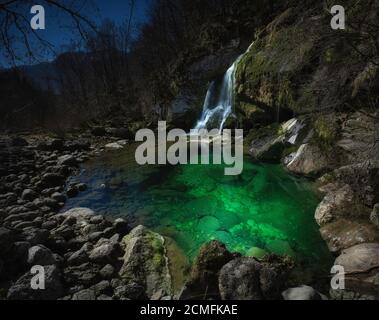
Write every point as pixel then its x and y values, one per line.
pixel 263 210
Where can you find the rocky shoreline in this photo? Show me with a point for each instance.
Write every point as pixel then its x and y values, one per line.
pixel 89 257
pixel 346 170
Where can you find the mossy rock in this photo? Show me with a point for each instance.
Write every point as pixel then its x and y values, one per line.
pixel 145 261
pixel 327 131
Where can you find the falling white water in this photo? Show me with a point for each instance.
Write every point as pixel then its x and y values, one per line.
pixel 218 104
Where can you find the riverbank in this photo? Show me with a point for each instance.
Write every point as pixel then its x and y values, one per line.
pixel 89 256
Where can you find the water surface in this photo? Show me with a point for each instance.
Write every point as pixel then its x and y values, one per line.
pixel 263 210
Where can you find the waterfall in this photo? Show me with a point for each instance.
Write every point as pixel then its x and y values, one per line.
pixel 219 101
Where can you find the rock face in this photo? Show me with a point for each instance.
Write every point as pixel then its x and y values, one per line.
pixel 308 160
pixel 203 281
pixel 301 293
pixel 145 262
pixel 269 143
pixel 250 279
pixel 268 148
pixel 357 135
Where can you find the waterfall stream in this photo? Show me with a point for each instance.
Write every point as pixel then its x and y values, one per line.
pixel 219 101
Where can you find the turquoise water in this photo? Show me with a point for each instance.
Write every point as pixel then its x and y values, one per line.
pixel 263 210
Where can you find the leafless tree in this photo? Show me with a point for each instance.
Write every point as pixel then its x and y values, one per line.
pixel 17 36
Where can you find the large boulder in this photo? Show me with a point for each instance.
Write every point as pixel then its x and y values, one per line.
pixel 269 143
pixel 40 255
pixel 145 262
pixel 105 251
pixel 361 258
pixel 309 160
pixel 247 278
pixel 363 178
pixel 22 289
pixel 361 270
pixel 343 234
pixel 339 202
pixel 203 281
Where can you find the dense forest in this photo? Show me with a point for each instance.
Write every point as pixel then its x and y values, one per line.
pixel 114 69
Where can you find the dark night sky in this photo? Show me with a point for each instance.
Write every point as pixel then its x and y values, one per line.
pixel 59 34
pixel 115 10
